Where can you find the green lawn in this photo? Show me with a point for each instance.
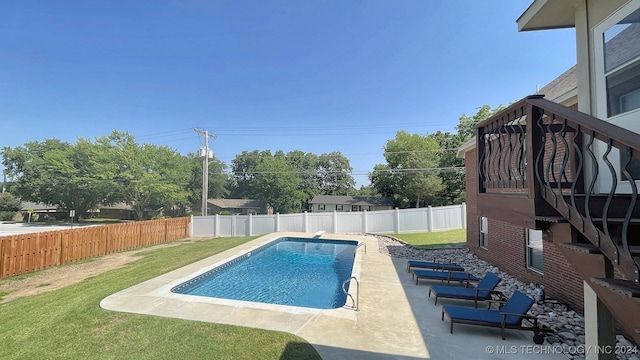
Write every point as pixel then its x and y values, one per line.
pixel 69 324
pixel 434 239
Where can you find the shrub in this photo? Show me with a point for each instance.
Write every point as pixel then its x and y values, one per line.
pixel 9 203
pixel 7 215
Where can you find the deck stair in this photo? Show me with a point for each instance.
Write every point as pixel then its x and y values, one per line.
pixel 582 247
pixel 624 287
pixel 547 151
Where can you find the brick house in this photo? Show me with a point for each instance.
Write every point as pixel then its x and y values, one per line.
pixel 526 258
pixel 552 181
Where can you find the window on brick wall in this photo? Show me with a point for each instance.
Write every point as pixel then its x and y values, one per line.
pixel 484 232
pixel 534 250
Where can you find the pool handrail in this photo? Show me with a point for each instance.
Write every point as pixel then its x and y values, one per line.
pixel 356 300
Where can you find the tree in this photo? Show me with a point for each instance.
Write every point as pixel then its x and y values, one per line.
pixel 146 174
pixel 57 172
pixel 410 175
pixel 383 181
pixel 8 202
pixel 451 169
pixel 364 190
pixel 466 126
pixel 305 164
pixel 325 174
pixel 9 205
pixel 243 169
pixel 277 183
pixel 333 174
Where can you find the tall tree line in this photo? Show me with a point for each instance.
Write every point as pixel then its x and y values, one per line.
pixel 116 169
pixel 288 181
pixel 420 170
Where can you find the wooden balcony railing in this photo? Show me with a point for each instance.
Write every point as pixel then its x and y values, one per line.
pixel 538 149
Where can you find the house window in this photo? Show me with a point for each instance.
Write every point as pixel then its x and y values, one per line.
pixel 621 51
pixel 354 208
pixel 484 232
pixel 618 77
pixel 339 207
pixel 534 250
pixel 321 206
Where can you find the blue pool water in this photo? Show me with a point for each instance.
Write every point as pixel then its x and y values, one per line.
pixel 288 271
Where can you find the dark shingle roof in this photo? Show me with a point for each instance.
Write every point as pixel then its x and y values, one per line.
pixel 560 86
pixel 236 203
pixel 351 200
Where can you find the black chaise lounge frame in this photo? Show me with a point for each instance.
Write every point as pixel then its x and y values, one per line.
pixel 433 265
pixel 511 315
pixel 484 291
pixel 448 276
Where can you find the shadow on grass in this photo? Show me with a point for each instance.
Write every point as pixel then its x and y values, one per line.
pixel 298 350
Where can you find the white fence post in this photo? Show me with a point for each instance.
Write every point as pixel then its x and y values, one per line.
pixel 277 222
pixel 364 221
pixel 305 222
pixel 216 225
pixel 429 219
pixel 396 221
pixel 250 220
pixel 463 215
pixel 334 226
pixel 233 225
pixel 191 226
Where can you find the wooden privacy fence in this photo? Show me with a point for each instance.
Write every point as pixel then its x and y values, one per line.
pixel 25 253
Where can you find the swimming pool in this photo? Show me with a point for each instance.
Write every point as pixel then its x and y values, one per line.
pixel 288 271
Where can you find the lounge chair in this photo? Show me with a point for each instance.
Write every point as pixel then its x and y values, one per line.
pixel 512 315
pixel 447 276
pixel 433 265
pixel 482 292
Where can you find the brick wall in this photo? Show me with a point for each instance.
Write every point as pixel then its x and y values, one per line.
pixel 561 281
pixel 507 248
pixel 507 251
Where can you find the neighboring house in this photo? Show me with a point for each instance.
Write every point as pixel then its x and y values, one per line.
pixel 120 211
pixel 124 211
pixel 41 211
pixel 552 182
pixel 238 206
pixel 325 203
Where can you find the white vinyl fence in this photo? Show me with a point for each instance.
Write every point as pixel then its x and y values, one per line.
pixel 386 221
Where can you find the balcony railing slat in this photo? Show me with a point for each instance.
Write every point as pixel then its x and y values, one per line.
pixel 541 140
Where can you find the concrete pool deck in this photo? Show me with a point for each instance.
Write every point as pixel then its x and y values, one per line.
pixel 395 319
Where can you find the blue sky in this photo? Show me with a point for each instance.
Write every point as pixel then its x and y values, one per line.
pixel 316 76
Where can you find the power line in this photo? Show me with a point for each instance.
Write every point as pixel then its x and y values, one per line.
pixel 357 172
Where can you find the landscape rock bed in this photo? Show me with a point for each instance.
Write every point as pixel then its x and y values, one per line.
pixel 568 326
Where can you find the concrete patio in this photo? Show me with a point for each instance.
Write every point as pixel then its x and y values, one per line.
pixel 395 319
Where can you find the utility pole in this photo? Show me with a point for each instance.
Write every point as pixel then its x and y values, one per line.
pixel 206 154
